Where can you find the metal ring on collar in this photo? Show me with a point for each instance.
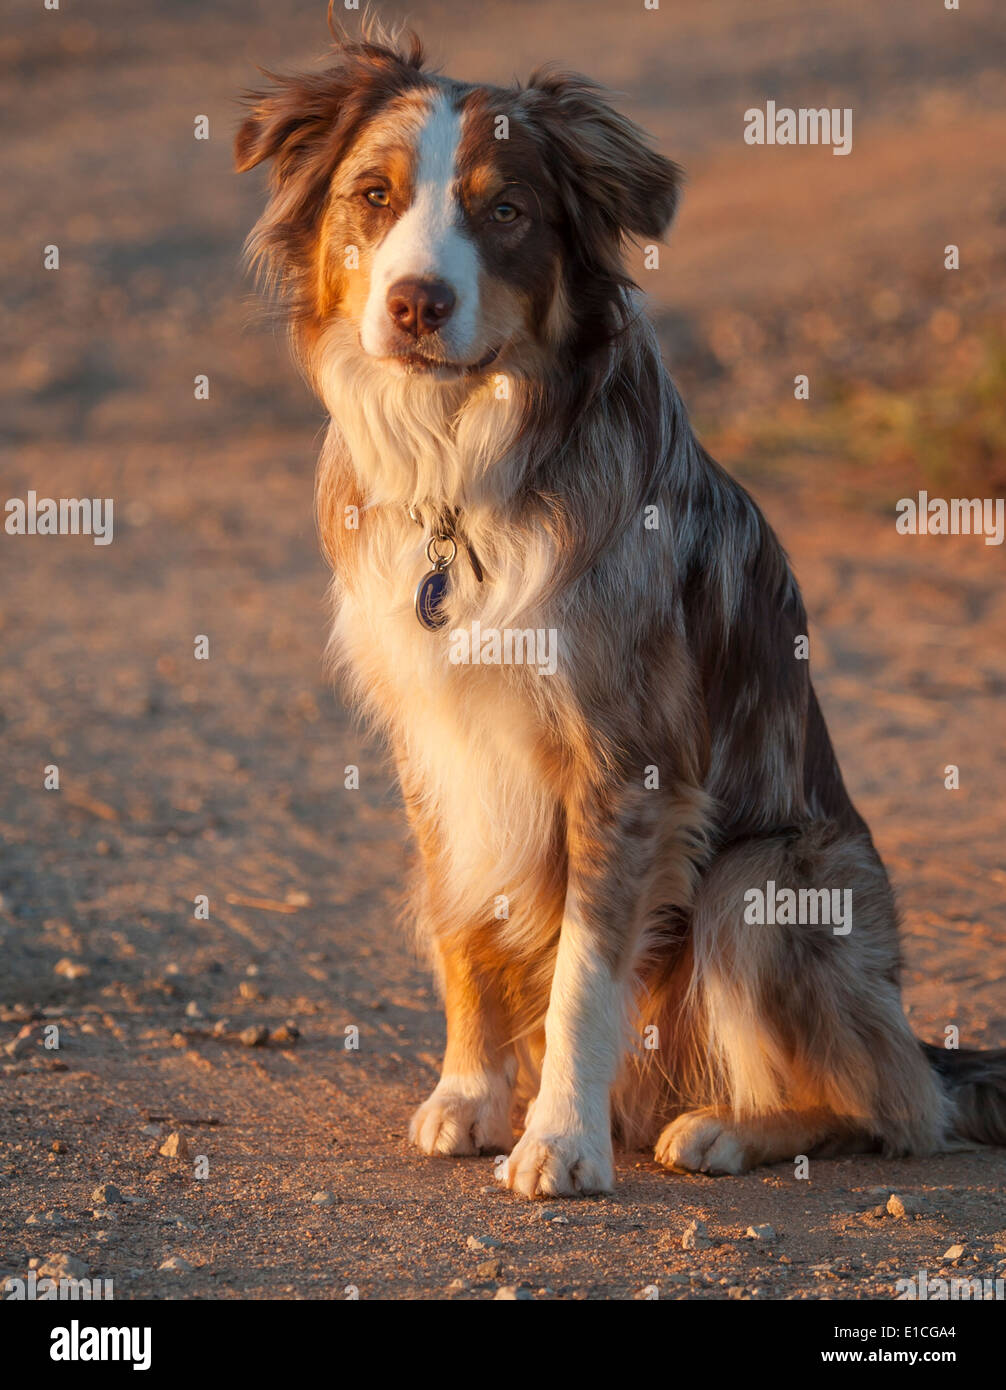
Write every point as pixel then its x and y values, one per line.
pixel 433 554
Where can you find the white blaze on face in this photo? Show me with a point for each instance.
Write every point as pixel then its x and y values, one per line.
pixel 428 242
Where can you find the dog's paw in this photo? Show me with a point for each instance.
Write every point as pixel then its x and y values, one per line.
pixel 704 1141
pixel 558 1165
pixel 464 1116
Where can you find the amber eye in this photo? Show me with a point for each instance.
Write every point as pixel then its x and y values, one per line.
pixel 377 197
pixel 505 212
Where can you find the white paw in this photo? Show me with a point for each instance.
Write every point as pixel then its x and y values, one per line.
pixel 558 1165
pixel 464 1115
pixel 703 1141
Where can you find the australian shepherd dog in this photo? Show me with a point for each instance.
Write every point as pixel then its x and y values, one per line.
pixel 507 456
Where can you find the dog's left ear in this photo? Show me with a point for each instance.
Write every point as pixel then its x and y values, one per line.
pixel 601 160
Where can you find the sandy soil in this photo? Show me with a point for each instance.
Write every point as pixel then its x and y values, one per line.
pixel 226 777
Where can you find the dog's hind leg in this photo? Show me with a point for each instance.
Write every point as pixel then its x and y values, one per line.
pixel 714 1141
pixel 800 1020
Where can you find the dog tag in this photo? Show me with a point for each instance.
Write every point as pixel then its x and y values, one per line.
pixel 430 594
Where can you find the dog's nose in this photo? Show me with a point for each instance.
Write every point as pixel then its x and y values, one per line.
pixel 420 306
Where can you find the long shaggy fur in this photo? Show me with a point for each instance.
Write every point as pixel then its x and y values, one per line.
pixel 623 966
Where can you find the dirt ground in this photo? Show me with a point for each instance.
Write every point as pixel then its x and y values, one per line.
pixel 226 777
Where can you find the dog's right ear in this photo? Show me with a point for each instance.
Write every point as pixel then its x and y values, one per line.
pixel 307 115
pixel 287 121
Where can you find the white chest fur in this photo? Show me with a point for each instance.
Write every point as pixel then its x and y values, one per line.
pixel 473 737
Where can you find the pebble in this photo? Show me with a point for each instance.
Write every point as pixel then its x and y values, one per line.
pixel 287 1033
pixel 175 1146
pixel 552 1214
pixel 247 990
pixel 107 1192
pixel 323 1199
pixel 512 1293
pixel 152 1131
pixel 254 1036
pixel 954 1253
pixel 488 1269
pixel 763 1232
pixel 900 1207
pixel 70 969
pixel 483 1243
pixel 63 1266
pixel 178 1264
pixel 695 1237
pixel 192 1010
pixel 20 1044
pixel 45 1218
pixel 458 1286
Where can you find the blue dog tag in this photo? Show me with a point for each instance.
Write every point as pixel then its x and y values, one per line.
pixel 430 595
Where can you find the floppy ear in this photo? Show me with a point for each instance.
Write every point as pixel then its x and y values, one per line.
pixel 301 111
pixel 288 120
pixel 303 124
pixel 602 160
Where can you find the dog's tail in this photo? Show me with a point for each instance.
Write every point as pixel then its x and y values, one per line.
pixel 975 1083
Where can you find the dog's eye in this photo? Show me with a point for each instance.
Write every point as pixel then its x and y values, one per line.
pixel 377 197
pixel 505 212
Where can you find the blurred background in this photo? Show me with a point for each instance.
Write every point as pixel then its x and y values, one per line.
pixel 226 777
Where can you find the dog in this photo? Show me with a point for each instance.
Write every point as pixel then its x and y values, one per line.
pixel 506 454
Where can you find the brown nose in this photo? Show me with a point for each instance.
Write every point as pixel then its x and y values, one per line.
pixel 420 306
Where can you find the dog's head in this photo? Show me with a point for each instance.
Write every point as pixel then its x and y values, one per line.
pixel 449 227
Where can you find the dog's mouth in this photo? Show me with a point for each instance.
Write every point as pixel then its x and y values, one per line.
pixel 440 368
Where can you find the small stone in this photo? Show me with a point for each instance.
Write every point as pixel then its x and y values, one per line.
pixel 152 1131
pixel 44 1218
pixel 488 1269
pixel 285 1034
pixel 695 1237
pixel 175 1146
pixel 21 1043
pixel 511 1293
pixel 254 1036
pixel 482 1243
pixel 107 1192
pixel 552 1214
pixel 323 1199
pixel 58 1147
pixel 70 969
pixel 458 1286
pixel 763 1232
pixel 177 1264
pixel 63 1266
pixel 900 1206
pixel 954 1253
pixel 248 990
pixel 192 1010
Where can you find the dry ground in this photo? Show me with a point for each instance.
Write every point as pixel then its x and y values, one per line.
pixel 225 777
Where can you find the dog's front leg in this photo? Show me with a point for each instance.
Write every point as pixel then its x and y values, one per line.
pixel 566 1147
pixel 469 1110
